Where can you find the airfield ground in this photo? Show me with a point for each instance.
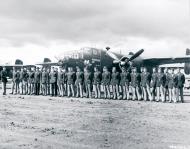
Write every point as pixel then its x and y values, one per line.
pixel 60 123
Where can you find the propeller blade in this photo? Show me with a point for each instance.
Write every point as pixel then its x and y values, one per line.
pixel 112 55
pixel 136 55
pixel 116 61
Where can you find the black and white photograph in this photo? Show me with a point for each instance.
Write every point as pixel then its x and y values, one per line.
pixel 94 74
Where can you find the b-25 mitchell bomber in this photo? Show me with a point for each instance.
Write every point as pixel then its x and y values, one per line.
pixel 98 57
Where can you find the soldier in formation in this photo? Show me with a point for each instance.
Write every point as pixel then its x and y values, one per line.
pixel 158 85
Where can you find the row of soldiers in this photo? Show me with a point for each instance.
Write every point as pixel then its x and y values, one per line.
pixel 155 86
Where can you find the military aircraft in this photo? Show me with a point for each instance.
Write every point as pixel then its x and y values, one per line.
pixel 98 57
pixel 134 59
pixel 18 65
pixel 47 63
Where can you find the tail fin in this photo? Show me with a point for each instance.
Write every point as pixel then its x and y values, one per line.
pixel 46 60
pixel 18 62
pixel 187 65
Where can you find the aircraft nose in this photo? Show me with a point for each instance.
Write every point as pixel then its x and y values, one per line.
pixel 63 61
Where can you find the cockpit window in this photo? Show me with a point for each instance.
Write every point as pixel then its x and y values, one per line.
pixel 76 55
pixel 86 50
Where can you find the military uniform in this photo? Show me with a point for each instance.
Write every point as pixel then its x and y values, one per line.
pixel 79 82
pixel 61 82
pixel 153 80
pixel 53 82
pixel 17 81
pixel 179 86
pixel 166 91
pixel 70 83
pixel 48 84
pixel 97 78
pixel 171 81
pixel 70 78
pixel 31 82
pixel 25 82
pixel 96 83
pixel 125 78
pixel 145 83
pixel 88 83
pixel 4 80
pixel 44 82
pixel 135 84
pixel 160 86
pixel 37 80
pixel 124 82
pixel 153 85
pixel 171 87
pixel 106 76
pixel 21 82
pixel 115 78
pixel 13 81
pixel 79 78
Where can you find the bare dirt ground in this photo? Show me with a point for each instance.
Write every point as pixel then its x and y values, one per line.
pixel 60 123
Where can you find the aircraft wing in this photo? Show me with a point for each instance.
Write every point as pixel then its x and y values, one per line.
pixel 48 64
pixel 171 60
pixel 17 65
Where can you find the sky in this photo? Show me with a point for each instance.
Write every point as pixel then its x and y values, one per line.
pixel 33 29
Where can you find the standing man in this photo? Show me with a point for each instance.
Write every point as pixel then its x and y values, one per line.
pixel 171 85
pixel 25 81
pixel 21 81
pixel 53 82
pixel 88 82
pixel 17 81
pixel 37 79
pixel 34 81
pixel 166 82
pixel 65 81
pixel 124 82
pixel 70 82
pixel 180 84
pixel 153 83
pixel 115 79
pixel 160 85
pixel 41 85
pixel 13 80
pixel 140 87
pixel 97 82
pixel 56 88
pixel 135 83
pixel 4 80
pixel 60 81
pixel 79 82
pixel 106 77
pixel 44 81
pixel 145 82
pixel 48 81
pixel 31 82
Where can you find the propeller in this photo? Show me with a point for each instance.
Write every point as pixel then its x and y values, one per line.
pixel 137 54
pixel 125 60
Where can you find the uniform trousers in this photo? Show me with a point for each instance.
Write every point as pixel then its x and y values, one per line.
pixel 160 93
pixel 37 88
pixel 54 89
pixel 136 93
pixel 179 93
pixel 4 84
